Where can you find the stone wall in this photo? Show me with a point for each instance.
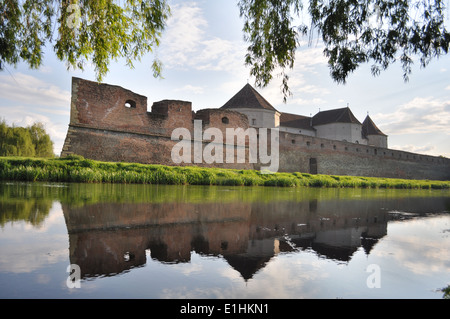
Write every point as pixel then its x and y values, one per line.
pixel 343 158
pixel 109 123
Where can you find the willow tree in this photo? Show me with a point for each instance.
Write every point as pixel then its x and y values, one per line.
pixel 354 32
pixel 81 31
pixel 31 141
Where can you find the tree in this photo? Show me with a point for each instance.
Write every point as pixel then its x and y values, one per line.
pixel 22 141
pixel 353 32
pixel 95 31
pixel 31 141
pixel 43 145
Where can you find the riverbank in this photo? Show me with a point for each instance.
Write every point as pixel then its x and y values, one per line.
pixel 80 170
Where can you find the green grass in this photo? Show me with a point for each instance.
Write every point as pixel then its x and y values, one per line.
pixel 80 170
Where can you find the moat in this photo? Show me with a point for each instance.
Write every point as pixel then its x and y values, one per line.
pixel 162 241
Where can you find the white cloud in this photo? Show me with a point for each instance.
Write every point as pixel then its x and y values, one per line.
pixel 186 44
pixel 306 59
pixel 313 89
pixel 422 255
pixel 419 115
pixel 309 102
pixel 191 89
pixel 183 33
pixel 38 101
pixel 33 255
pixel 424 149
pixel 28 89
pixel 54 111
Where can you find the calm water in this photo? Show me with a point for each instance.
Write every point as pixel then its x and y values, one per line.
pixel 142 241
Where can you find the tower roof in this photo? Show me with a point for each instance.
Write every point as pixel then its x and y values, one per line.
pixel 295 121
pixel 343 115
pixel 248 97
pixel 369 128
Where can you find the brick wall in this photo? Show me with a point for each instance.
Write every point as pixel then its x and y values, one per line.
pixel 109 123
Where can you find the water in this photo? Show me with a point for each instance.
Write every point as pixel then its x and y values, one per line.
pixel 147 241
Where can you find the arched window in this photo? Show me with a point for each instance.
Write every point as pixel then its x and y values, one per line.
pixel 130 104
pixel 225 120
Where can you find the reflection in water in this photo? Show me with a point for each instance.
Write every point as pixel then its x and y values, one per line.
pixel 246 242
pixel 110 238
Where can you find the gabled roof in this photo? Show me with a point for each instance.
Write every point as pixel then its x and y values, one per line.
pixel 343 115
pixel 369 128
pixel 248 97
pixel 296 121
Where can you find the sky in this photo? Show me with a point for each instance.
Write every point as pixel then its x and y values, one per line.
pixel 203 52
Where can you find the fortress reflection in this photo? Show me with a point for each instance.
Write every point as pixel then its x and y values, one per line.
pixel 109 238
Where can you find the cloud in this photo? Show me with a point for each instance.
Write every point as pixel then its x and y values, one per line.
pixel 33 255
pixel 309 102
pixel 313 89
pixel 191 89
pixel 34 100
pixel 308 58
pixel 183 33
pixel 424 149
pixel 424 255
pixel 419 115
pixel 186 44
pixel 28 89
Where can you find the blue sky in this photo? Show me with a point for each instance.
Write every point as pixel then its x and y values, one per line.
pixel 203 54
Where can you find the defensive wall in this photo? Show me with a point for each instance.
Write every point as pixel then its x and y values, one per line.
pixel 110 123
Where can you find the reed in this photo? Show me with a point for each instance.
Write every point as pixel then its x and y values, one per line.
pixel 80 170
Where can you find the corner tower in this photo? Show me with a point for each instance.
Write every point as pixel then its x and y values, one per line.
pixel 260 113
pixel 373 134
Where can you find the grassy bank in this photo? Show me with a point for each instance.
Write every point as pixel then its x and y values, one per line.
pixel 80 170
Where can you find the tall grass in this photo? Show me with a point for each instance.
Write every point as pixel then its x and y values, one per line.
pixel 81 170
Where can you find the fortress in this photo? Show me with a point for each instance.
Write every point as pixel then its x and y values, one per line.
pixel 110 123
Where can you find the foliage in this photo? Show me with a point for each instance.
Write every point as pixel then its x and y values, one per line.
pixel 19 141
pixel 446 292
pixel 80 170
pixel 353 32
pixel 95 31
